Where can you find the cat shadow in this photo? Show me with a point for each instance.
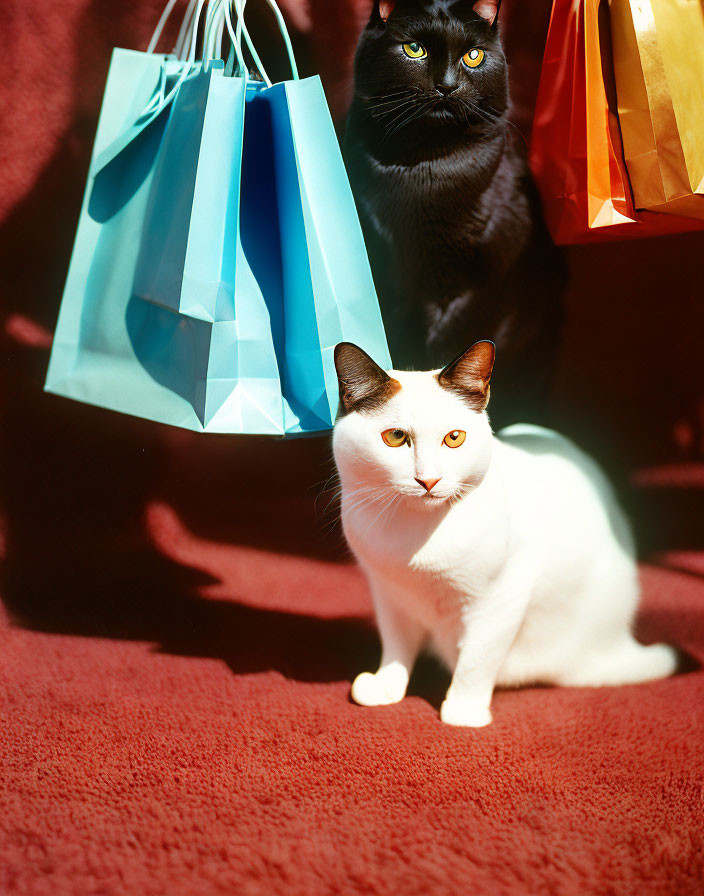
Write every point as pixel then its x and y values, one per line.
pixel 78 556
pixel 429 681
pixel 123 588
pixel 126 589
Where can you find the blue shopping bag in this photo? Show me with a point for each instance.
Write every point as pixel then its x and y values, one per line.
pixel 218 258
pixel 198 318
pixel 315 260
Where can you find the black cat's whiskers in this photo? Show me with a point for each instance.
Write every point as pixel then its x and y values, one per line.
pixel 470 108
pixel 344 88
pixel 387 103
pixel 382 111
pixel 473 114
pixel 398 90
pixel 399 109
pixel 509 123
pixel 372 102
pixel 387 108
pixel 391 113
pixel 392 109
pixel 399 121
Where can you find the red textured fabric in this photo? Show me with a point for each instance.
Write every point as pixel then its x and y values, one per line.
pixel 186 728
pixel 180 621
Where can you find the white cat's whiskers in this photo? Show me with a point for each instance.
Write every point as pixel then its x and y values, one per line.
pixel 326 488
pixel 387 506
pixel 365 496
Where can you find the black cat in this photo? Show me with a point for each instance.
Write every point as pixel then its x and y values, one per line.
pixel 451 217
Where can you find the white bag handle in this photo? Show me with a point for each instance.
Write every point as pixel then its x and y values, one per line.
pixel 158 102
pixel 219 16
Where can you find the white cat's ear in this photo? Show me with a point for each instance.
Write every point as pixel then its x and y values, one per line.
pixel 363 384
pixel 383 9
pixel 488 10
pixel 469 374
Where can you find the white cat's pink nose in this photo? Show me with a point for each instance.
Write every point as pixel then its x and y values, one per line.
pixel 428 484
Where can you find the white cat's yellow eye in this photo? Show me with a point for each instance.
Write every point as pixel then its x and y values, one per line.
pixel 474 58
pixel 455 438
pixel 415 50
pixel 394 438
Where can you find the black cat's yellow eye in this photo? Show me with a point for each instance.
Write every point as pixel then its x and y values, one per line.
pixel 455 438
pixel 415 50
pixel 474 58
pixel 394 438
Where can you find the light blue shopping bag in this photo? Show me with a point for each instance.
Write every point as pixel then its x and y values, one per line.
pixel 198 318
pixel 316 261
pixel 218 259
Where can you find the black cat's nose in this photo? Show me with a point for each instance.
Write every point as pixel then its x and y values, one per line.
pixel 445 89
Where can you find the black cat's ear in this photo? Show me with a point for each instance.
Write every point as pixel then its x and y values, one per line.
pixel 469 374
pixel 363 384
pixel 488 10
pixel 383 9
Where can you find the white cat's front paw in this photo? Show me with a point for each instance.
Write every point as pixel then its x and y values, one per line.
pixel 464 711
pixel 377 690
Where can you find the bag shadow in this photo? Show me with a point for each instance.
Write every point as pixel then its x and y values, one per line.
pixel 117 182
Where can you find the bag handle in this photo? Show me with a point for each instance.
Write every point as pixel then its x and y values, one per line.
pixel 212 36
pixel 185 29
pixel 224 7
pixel 213 31
pixel 236 38
pixel 210 40
pixel 168 9
pixel 273 6
pixel 159 102
pixel 218 15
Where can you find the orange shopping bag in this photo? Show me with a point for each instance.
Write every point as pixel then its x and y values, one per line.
pixel 659 68
pixel 576 153
pixel 575 149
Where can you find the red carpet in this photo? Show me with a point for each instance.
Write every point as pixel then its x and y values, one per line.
pixel 219 753
pixel 179 627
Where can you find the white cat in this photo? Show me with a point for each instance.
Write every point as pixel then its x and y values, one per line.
pixel 506 556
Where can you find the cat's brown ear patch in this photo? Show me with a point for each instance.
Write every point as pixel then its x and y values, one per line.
pixel 385 8
pixel 488 10
pixel 364 385
pixel 469 374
